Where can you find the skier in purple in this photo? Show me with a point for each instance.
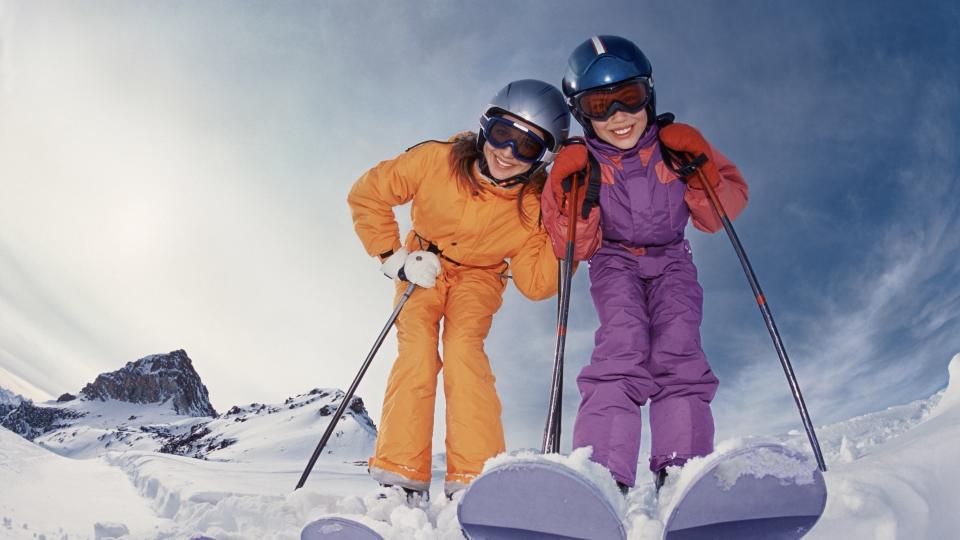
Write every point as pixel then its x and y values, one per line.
pixel 643 280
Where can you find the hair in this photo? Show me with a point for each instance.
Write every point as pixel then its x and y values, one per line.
pixel 465 155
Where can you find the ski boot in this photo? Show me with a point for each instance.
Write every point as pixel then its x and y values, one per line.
pixel 416 492
pixel 414 497
pixel 452 487
pixel 659 479
pixel 624 489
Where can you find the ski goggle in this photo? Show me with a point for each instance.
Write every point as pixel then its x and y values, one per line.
pixel 525 145
pixel 602 103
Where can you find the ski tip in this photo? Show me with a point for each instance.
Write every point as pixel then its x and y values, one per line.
pixel 537 500
pixel 338 528
pixel 756 492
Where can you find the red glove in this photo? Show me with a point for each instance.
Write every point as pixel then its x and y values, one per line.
pixel 572 159
pixel 686 140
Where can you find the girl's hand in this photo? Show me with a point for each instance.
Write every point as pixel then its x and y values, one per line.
pixel 571 159
pixel 419 267
pixel 686 139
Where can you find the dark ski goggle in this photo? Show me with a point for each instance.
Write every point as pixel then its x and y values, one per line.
pixel 600 104
pixel 525 145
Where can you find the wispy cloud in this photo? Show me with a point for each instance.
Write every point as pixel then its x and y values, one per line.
pixel 884 328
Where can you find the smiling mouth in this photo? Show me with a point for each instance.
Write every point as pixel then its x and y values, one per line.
pixel 501 163
pixel 622 131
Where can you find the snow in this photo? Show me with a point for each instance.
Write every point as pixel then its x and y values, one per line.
pixel 578 461
pixel 893 474
pixel 107 424
pixel 764 462
pixel 57 496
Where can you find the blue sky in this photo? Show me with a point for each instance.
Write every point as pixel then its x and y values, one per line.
pixel 174 174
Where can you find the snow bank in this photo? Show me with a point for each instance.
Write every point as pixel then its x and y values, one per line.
pixel 908 485
pixel 234 501
pixel 892 474
pixel 46 494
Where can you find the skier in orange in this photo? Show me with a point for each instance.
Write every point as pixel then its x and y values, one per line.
pixel 475 212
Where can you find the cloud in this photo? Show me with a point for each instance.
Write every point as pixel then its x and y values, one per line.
pixel 17 385
pixel 152 228
pixel 883 329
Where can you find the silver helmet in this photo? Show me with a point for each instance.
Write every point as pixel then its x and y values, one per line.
pixel 537 102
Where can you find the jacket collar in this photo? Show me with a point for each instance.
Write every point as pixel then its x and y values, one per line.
pixel 612 153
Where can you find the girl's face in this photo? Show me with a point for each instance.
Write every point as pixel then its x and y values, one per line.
pixel 501 161
pixel 622 130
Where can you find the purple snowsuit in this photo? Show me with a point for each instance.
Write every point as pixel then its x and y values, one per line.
pixel 650 305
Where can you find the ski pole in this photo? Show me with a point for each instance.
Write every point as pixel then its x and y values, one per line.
pixel 353 387
pixel 551 432
pixel 762 304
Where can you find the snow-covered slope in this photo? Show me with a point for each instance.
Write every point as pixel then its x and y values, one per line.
pixel 97 426
pixel 289 430
pixel 893 474
pixel 255 432
pixel 44 495
pixel 896 474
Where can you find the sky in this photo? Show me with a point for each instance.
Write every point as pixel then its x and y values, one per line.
pixel 174 175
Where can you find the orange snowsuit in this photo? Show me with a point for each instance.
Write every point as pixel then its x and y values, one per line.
pixel 476 234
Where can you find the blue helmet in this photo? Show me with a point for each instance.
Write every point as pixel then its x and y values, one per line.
pixel 605 61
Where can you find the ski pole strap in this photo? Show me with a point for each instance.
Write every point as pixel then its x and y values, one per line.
pixel 592 197
pixel 687 168
pixel 590 173
pixel 680 164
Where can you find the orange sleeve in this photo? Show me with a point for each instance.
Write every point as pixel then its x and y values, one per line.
pixel 732 192
pixel 372 198
pixel 534 268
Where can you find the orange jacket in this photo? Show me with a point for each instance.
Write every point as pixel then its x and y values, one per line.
pixel 475 229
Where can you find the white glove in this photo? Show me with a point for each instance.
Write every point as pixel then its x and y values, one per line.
pixel 421 268
pixel 394 263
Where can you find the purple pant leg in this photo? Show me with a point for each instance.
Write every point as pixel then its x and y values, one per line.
pixel 647 346
pixel 681 423
pixel 616 382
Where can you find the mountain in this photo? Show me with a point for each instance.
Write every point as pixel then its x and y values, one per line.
pixel 8 402
pixel 31 421
pixel 158 378
pixel 9 399
pixel 160 404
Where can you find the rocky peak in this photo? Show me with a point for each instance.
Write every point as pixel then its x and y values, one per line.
pixel 31 421
pixel 156 378
pixel 9 398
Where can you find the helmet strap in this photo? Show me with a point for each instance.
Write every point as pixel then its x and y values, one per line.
pixel 513 181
